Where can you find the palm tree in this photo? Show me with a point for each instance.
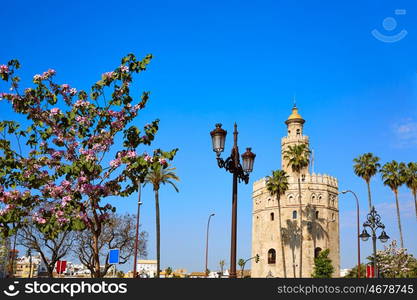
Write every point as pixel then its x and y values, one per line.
pixel 222 263
pixel 410 176
pixel 241 263
pixel 156 177
pixel 277 185
pixel 298 157
pixel 392 175
pixel 366 166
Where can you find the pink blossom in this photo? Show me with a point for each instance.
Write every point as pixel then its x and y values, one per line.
pixel 81 103
pixel 66 200
pixel 4 69
pixel 40 220
pixel 57 155
pixel 63 220
pixel 83 216
pixel 131 154
pixel 82 179
pixel 162 161
pixel 115 163
pixel 124 69
pixel 37 77
pixel 65 87
pixel 148 158
pixel 108 75
pixel 73 91
pixel 55 111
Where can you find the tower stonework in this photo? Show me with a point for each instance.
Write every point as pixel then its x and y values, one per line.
pixel 320 217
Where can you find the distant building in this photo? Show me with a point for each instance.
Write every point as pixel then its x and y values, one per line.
pixel 147 268
pixel 344 272
pixel 198 275
pixel 27 267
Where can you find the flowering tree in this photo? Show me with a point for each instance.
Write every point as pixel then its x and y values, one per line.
pixel 54 167
pixel 394 262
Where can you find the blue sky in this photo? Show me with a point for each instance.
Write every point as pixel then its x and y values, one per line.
pixel 243 61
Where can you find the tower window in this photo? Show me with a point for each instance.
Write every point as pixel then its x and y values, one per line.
pixel 294 214
pixel 271 256
pixel 298 131
pixel 272 216
pixel 317 214
pixel 333 217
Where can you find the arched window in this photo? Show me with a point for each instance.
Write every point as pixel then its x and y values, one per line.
pixel 272 216
pixel 298 131
pixel 294 214
pixel 317 252
pixel 317 214
pixel 271 256
pixel 333 217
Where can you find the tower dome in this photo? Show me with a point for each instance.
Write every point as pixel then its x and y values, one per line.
pixel 295 117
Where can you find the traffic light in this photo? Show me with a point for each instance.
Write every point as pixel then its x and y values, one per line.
pixel 257 258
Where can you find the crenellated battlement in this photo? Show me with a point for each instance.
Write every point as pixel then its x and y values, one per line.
pixel 309 178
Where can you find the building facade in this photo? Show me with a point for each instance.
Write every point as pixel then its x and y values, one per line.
pixel 147 268
pixel 319 224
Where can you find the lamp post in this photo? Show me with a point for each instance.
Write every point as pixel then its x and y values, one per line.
pixel 137 235
pixel 241 172
pixel 373 221
pixel 256 258
pixel 357 223
pixel 207 240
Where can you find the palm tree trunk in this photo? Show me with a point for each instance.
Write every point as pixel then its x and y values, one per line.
pixel 369 195
pixel 399 218
pixel 301 227
pixel 415 200
pixel 280 238
pixel 158 235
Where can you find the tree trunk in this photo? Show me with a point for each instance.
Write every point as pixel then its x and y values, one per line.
pixel 415 200
pixel 96 255
pixel 158 235
pixel 280 237
pixel 369 195
pixel 399 218
pixel 301 227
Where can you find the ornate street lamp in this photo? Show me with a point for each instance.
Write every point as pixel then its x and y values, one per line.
pixel 241 173
pixel 373 221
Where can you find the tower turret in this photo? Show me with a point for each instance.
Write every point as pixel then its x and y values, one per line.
pixel 295 124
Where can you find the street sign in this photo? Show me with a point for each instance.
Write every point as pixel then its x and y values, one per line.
pixel 114 256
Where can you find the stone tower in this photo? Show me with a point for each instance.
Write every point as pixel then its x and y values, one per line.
pixel 320 217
